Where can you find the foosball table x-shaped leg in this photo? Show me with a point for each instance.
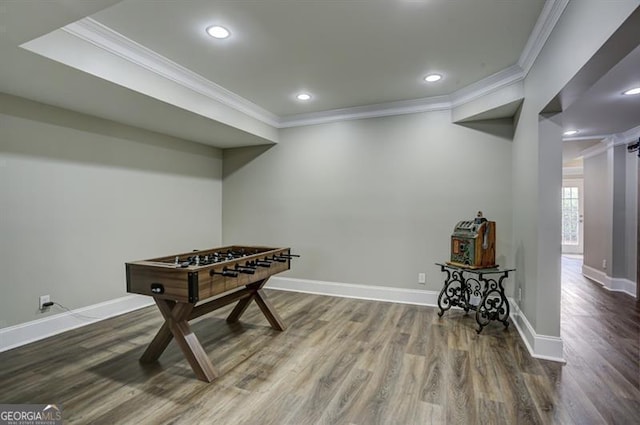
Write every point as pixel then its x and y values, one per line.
pixel 176 325
pixel 257 294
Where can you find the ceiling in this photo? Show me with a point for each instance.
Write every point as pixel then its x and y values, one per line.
pixel 151 64
pixel 605 97
pixel 346 53
pixel 593 102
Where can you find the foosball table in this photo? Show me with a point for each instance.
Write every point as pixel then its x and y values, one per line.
pixel 189 285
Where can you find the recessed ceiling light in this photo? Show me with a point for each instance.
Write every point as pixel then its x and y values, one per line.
pixel 303 96
pixel 432 78
pixel 570 132
pixel 217 31
pixel 630 92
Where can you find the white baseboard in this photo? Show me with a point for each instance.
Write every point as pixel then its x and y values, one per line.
pixel 614 284
pixel 539 346
pixel 24 333
pixel 349 290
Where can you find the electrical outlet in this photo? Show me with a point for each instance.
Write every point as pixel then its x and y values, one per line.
pixel 44 299
pixel 604 264
pixel 422 278
pixel 519 295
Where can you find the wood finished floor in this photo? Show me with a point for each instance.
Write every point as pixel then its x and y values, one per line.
pixel 344 361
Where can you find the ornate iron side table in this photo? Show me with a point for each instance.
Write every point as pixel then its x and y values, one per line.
pixel 462 286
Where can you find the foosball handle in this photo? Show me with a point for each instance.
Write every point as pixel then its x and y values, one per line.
pixel 225 272
pixel 245 270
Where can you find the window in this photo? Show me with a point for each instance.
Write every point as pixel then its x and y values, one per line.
pixel 570 215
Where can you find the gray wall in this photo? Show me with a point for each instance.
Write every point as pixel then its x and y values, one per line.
pixel 369 201
pixel 631 230
pixel 610 211
pixel 619 216
pixel 79 196
pixel 598 201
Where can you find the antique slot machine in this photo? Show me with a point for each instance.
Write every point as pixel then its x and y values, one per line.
pixel 473 243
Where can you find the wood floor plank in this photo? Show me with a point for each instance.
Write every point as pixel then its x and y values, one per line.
pixel 461 406
pixel 374 407
pixel 491 412
pixel 418 339
pixel 484 376
pixel 433 389
pixel 409 408
pixel 543 398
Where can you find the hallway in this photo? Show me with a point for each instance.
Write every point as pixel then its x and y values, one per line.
pixel 601 333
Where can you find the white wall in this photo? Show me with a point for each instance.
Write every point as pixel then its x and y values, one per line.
pixel 79 196
pixel 369 201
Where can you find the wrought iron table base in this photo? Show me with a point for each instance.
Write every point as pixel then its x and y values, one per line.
pixel 458 291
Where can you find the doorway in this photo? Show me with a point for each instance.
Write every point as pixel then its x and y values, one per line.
pixel 572 216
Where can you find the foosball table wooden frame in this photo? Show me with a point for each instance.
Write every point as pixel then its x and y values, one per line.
pixel 178 283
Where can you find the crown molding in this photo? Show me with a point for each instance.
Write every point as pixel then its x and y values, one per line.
pixel 612 141
pixel 628 136
pixel 500 79
pixel 494 82
pixel 617 140
pixel 487 85
pixel 601 147
pixel 578 138
pixel 113 42
pixel 110 40
pixel 428 104
pixel 551 12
